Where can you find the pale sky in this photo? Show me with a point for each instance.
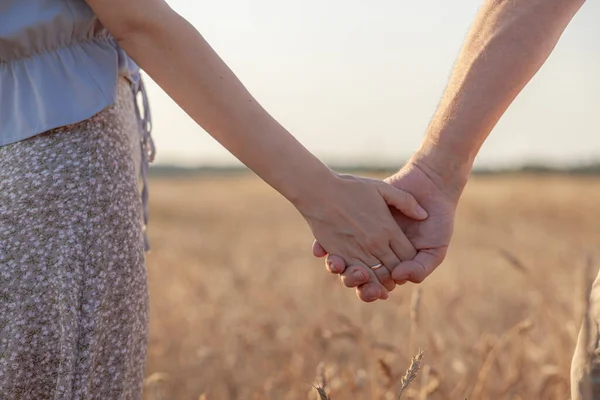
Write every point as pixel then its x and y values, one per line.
pixel 357 81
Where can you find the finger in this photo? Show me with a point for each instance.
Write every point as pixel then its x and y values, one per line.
pixel 318 250
pixel 360 275
pixel 383 271
pixel 355 275
pixel 416 270
pixel 383 281
pixel 402 201
pixel 335 264
pixel 400 245
pixel 370 292
pixel 384 276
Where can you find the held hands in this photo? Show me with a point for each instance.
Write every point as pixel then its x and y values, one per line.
pixel 430 237
pixel 352 216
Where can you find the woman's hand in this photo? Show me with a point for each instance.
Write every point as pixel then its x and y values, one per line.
pixel 350 216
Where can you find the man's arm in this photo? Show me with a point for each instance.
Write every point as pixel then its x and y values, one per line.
pixel 507 44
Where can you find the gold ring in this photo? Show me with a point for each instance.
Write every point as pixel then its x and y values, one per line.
pixel 376 266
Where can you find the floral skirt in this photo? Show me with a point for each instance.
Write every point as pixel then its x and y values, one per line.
pixel 73 287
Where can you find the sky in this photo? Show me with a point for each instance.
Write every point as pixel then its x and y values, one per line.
pixel 357 81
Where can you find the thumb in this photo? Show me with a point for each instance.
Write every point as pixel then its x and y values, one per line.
pixel 402 201
pixel 420 267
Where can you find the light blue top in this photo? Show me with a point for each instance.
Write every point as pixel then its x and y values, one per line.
pixel 59 66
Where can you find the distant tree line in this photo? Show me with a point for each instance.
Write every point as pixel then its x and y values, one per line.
pixel 176 171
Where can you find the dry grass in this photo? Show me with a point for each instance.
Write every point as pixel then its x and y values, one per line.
pixel 241 310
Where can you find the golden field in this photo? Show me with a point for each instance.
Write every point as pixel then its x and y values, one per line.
pixel 241 310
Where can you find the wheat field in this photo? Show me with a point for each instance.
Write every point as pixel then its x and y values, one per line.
pixel 241 310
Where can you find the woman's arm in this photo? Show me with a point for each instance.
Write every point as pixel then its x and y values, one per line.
pixel 178 58
pixel 346 214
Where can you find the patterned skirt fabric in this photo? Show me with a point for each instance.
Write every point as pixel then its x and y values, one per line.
pixel 73 289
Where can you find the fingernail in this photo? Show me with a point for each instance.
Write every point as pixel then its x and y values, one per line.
pixel 358 275
pixel 385 296
pixel 421 212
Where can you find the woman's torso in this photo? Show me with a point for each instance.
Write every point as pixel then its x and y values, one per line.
pixel 58 65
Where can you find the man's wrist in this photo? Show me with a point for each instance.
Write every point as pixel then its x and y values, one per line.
pixel 449 168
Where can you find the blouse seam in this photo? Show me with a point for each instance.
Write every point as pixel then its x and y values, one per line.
pixel 106 38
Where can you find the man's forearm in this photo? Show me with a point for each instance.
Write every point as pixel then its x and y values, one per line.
pixel 506 46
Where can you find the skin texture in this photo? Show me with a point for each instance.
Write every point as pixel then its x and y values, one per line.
pixel 349 215
pixel 507 44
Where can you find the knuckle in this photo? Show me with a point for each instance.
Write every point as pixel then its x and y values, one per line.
pixel 391 231
pixel 354 276
pixel 377 243
pixel 372 243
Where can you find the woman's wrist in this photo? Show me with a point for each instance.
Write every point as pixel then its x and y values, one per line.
pixel 302 184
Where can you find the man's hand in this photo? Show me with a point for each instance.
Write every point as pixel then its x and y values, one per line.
pixel 430 237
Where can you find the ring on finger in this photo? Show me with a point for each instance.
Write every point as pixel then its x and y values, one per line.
pixel 376 266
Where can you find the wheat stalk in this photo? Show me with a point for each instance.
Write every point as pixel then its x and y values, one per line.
pixel 414 318
pixel 322 384
pixel 411 372
pixel 322 393
pixel 488 362
pixel 585 386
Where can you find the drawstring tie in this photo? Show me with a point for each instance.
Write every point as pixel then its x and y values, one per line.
pixel 147 147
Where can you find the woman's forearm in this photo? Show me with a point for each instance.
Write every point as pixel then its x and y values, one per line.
pixel 177 57
pixel 506 45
